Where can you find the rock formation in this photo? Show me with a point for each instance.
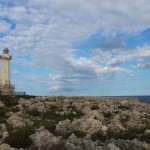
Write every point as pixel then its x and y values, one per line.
pixel 74 123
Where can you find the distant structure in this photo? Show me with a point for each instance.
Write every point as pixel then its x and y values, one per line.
pixel 5 86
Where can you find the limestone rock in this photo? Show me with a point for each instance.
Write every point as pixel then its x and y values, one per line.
pixel 42 138
pixel 63 126
pixel 104 128
pixel 86 110
pixel 6 147
pixel 5 134
pixel 16 121
pixel 112 147
pixel 1 104
pixel 3 127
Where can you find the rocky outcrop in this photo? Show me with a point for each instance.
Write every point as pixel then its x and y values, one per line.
pixel 17 121
pixel 42 139
pixel 77 123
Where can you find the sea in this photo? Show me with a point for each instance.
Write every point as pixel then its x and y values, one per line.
pixel 142 99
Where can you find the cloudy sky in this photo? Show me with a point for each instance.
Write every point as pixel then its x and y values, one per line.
pixel 78 47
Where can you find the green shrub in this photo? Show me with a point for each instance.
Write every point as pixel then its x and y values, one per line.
pixel 124 119
pixel 2 112
pixel 34 113
pixel 54 108
pixel 20 138
pixel 57 117
pixel 66 135
pixel 107 115
pixel 145 137
pixel 15 109
pixel 98 136
pixel 124 107
pixel 79 134
pixel 129 134
pixel 59 146
pixel 9 101
pixel 94 107
pixel 50 126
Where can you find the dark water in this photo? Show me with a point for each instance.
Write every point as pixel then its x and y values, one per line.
pixel 142 99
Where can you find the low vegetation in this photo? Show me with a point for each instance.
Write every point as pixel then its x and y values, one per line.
pixel 19 138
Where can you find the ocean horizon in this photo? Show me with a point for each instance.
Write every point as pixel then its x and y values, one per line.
pixel 142 99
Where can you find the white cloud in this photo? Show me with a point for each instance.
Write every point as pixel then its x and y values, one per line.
pixel 90 66
pixel 54 77
pixel 16 72
pixel 4 27
pixel 45 31
pixel 55 88
pixel 32 78
pixel 142 65
pixel 137 53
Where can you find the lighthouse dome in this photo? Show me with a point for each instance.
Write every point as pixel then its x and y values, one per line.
pixel 6 51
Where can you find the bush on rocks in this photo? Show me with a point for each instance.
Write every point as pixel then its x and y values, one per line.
pixel 98 136
pixel 94 107
pixel 9 101
pixel 57 117
pixel 79 134
pixel 20 138
pixel 50 126
pixel 34 113
pixel 2 112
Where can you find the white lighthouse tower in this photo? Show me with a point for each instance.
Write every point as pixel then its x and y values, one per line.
pixel 5 73
pixel 6 87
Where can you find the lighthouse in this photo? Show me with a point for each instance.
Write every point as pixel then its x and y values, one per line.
pixel 5 85
pixel 5 72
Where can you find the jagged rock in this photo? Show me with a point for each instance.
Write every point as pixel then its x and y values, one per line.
pixel 116 126
pixel 5 134
pixel 1 104
pixel 3 127
pixel 16 121
pixel 136 114
pixel 38 106
pixel 147 132
pixel 104 128
pixel 133 124
pixel 139 145
pixel 28 122
pixel 6 147
pixel 87 125
pixel 24 103
pixel 124 103
pixel 86 110
pixel 81 143
pixel 20 107
pixel 63 126
pixel 71 146
pixel 112 147
pixel 8 114
pixel 103 106
pixel 43 138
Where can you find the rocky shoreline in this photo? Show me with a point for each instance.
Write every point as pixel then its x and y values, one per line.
pixel 74 123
